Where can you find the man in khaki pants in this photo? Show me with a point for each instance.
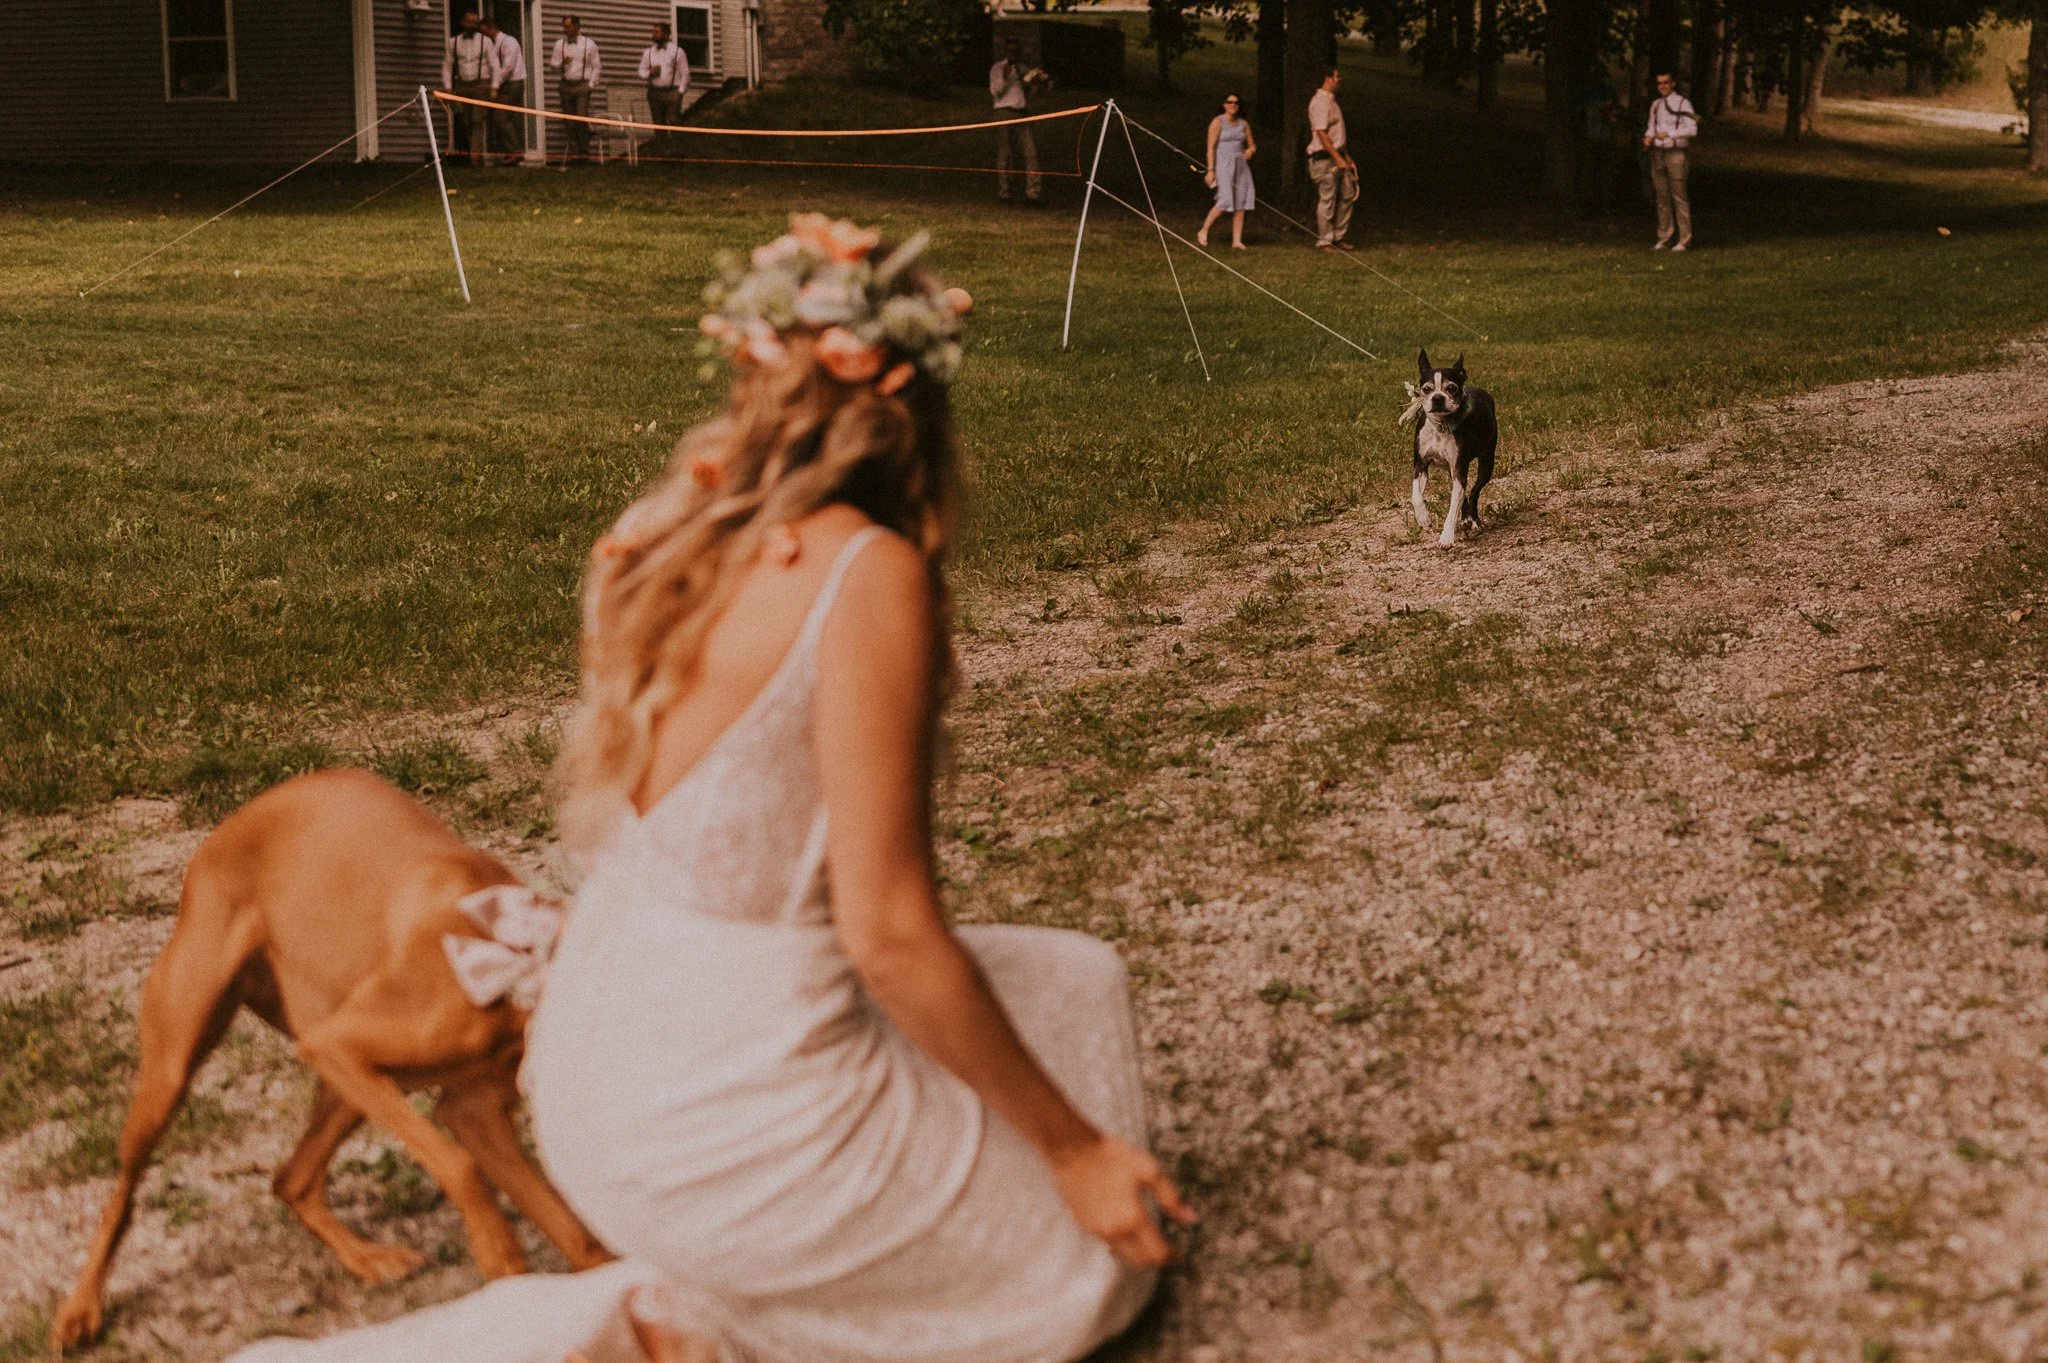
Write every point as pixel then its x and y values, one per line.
pixel 1330 166
pixel 1673 125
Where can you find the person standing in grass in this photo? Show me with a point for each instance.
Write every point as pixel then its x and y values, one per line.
pixel 666 69
pixel 1330 166
pixel 1672 127
pixel 580 69
pixel 1231 145
pixel 508 86
pixel 467 63
pixel 1010 85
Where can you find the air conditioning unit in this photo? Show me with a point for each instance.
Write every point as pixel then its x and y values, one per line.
pixel 419 6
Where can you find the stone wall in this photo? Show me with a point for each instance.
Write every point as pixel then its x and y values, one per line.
pixel 794 42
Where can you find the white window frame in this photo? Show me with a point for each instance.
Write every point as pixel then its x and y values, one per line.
pixel 227 7
pixel 712 64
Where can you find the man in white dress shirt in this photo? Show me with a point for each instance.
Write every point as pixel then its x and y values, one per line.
pixel 1009 85
pixel 1672 127
pixel 666 69
pixel 467 63
pixel 580 70
pixel 1330 165
pixel 508 86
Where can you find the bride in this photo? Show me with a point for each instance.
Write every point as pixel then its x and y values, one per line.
pixel 817 1123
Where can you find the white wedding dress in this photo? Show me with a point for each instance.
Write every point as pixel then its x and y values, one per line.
pixel 719 1100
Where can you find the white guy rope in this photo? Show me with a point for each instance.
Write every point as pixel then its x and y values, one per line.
pixel 1112 197
pixel 421 169
pixel 239 202
pixel 1351 256
pixel 1164 249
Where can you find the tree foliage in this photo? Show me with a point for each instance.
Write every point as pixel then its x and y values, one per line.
pixel 905 41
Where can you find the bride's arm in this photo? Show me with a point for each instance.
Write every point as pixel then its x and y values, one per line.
pixel 874 758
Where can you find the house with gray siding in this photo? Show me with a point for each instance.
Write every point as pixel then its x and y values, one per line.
pixel 113 82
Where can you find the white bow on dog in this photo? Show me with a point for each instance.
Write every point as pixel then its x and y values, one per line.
pixel 513 960
pixel 1413 410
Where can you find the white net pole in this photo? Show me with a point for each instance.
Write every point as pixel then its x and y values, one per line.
pixel 1087 196
pixel 447 209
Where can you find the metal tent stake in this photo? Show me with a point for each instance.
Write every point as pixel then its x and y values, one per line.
pixel 1109 110
pixel 448 211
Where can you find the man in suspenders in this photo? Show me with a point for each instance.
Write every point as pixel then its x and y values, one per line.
pixel 667 73
pixel 1673 125
pixel 580 69
pixel 508 86
pixel 467 64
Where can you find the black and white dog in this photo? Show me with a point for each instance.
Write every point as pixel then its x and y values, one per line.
pixel 1455 431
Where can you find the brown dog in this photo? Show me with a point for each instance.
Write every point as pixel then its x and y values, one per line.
pixel 320 906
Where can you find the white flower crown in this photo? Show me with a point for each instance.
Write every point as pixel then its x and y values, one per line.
pixel 869 321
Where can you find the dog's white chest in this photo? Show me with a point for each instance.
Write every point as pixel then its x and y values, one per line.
pixel 1436 446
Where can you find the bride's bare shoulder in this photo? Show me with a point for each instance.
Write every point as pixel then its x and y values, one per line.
pixel 886 599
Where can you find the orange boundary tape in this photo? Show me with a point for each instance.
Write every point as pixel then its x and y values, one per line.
pixel 447 98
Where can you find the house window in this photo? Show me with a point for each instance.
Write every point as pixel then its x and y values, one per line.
pixel 199 49
pixel 693 35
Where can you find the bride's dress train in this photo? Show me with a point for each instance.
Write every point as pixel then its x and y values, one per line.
pixel 717 1098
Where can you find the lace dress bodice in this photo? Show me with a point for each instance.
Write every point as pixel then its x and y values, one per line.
pixel 747 818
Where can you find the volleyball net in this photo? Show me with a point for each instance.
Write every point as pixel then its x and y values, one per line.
pixel 842 149
pixel 644 140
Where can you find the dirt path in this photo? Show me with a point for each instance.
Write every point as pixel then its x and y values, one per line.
pixel 1620 938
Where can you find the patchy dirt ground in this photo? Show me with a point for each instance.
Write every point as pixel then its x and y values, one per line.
pixel 1620 938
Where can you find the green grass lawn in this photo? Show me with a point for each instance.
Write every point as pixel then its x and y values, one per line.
pixel 282 477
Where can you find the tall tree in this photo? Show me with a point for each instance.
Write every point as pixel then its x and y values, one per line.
pixel 1795 79
pixel 1660 36
pixel 2037 87
pixel 1706 54
pixel 1173 27
pixel 1571 45
pixel 1272 33
pixel 1311 47
pixel 1489 55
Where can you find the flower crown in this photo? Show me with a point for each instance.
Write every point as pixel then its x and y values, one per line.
pixel 871 323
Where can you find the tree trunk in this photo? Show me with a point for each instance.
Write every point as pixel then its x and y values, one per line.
pixel 1568 52
pixel 1431 41
pixel 1817 77
pixel 2037 89
pixel 1272 37
pixel 1704 52
pixel 1465 52
pixel 1740 77
pixel 1311 30
pixel 1724 68
pixel 1660 36
pixel 1489 54
pixel 1795 81
pixel 1919 70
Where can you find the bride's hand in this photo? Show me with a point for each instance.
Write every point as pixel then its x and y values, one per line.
pixel 1104 1184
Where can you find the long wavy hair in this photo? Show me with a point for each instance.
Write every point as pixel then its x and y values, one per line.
pixel 791 439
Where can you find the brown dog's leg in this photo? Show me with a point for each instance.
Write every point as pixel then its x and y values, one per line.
pixel 301 1183
pixel 480 1116
pixel 187 1004
pixel 384 1026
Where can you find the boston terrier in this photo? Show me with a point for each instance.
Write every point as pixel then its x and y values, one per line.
pixel 1455 430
